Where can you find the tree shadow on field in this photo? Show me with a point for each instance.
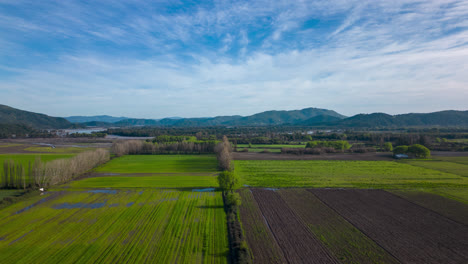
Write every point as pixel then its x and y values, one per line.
pixel 222 254
pixel 210 206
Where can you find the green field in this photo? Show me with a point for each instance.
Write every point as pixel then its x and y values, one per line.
pixel 462 160
pixel 445 166
pixel 352 174
pixel 128 226
pixel 58 150
pixel 161 181
pixel 163 171
pixel 148 224
pixel 278 146
pixel 26 158
pixel 161 164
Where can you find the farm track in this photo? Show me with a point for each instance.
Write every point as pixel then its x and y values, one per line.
pixel 261 241
pixel 299 245
pixel 409 232
pixel 346 242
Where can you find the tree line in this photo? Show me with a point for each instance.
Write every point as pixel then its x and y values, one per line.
pixel 40 174
pixel 135 147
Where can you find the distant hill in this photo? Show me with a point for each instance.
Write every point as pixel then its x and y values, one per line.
pixel 448 118
pixel 260 119
pixel 99 118
pixel 306 117
pixel 284 117
pixel 9 115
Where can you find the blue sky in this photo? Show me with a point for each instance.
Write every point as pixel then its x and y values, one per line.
pixel 154 59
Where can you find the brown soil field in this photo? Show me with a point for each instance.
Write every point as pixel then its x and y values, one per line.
pixel 299 245
pixel 337 156
pixel 411 233
pixel 449 154
pixel 345 241
pixel 262 243
pixel 452 209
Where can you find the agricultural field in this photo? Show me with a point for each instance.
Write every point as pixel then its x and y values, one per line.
pixel 411 233
pixel 351 174
pixel 132 217
pixel 26 158
pixel 348 226
pixel 461 160
pixel 161 164
pixel 116 226
pixel 164 171
pixel 445 166
pixel 264 146
pixel 25 148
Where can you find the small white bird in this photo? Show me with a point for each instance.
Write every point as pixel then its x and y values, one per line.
pixel 41 189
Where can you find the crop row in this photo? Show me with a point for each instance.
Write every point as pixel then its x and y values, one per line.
pixel 124 226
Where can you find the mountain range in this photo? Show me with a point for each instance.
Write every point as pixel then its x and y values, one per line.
pixel 305 117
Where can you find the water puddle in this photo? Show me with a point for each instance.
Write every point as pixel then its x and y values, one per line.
pixel 103 191
pixel 204 190
pixel 130 204
pixel 140 193
pixel 19 237
pixel 79 205
pixel 43 200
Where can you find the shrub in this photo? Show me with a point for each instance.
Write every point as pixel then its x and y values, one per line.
pixel 419 151
pixel 233 199
pixel 388 146
pixel 400 150
pixel 340 145
pixel 228 181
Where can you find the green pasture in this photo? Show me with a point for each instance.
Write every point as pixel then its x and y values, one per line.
pixel 445 166
pixel 270 146
pixel 462 160
pixel 160 181
pixel 124 226
pixel 262 150
pixel 58 150
pixel 26 158
pixel 161 164
pixel 351 174
pixel 8 145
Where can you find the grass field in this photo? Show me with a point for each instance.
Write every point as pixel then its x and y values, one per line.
pixel 160 181
pixel 161 164
pixel 125 226
pixel 58 150
pixel 26 158
pixel 162 171
pixel 270 146
pixel 461 160
pixel 445 166
pixel 353 174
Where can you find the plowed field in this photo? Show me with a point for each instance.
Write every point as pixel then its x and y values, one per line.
pixel 411 233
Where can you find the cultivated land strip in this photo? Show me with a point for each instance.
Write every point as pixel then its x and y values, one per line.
pixel 346 242
pixel 299 245
pixel 411 233
pixel 449 208
pixel 261 241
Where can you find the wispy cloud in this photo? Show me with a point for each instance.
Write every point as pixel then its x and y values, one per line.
pixel 154 60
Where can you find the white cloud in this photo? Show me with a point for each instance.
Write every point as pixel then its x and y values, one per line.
pixel 383 56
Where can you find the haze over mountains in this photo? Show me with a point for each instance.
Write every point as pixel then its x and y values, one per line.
pixel 305 117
